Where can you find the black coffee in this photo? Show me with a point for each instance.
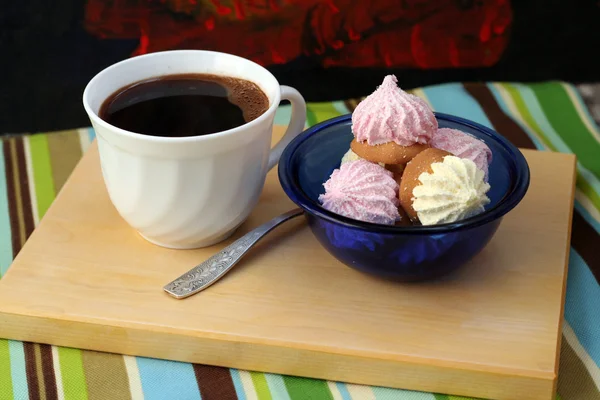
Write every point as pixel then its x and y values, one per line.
pixel 184 105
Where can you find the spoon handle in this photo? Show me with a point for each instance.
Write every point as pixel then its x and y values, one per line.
pixel 213 269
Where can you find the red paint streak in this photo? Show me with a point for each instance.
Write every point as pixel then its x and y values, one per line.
pixel 352 35
pixel 209 24
pixel 346 33
pixel 239 10
pixel 143 46
pixel 417 46
pixel 274 5
pixel 454 53
pixel 387 59
pixel 276 57
pixel 222 10
pixel 333 7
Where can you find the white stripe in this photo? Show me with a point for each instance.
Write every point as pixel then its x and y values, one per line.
pixel 588 175
pixel 421 93
pixel 585 358
pixel 133 374
pixel 585 118
pixel 249 389
pixel 335 392
pixel 587 204
pixel 360 392
pixel 84 139
pixel 559 143
pixel 31 181
pixel 57 373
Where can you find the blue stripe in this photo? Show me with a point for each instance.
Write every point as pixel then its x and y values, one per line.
pixel 548 131
pixel 586 215
pixel 452 99
pixel 340 106
pixel 277 387
pixel 382 393
pixel 17 370
pixel 167 380
pixel 283 115
pixel 343 391
pixel 6 254
pixel 500 101
pixel 91 134
pixel 582 305
pixel 237 383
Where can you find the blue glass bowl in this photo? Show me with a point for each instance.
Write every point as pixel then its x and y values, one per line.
pixel 411 253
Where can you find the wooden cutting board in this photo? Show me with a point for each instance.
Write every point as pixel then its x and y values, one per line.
pixel 85 279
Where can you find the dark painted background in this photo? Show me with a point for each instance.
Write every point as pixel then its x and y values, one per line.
pixel 47 57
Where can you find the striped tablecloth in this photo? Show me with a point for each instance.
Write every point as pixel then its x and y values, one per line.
pixel 549 116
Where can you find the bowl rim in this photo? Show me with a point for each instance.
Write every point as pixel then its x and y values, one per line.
pixel 510 201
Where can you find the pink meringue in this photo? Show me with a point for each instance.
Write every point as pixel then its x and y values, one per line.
pixel 390 114
pixel 464 146
pixel 364 191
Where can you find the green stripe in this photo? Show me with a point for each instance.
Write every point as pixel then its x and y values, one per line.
pixel 73 376
pixel 6 388
pixel 261 386
pixel 522 108
pixel 588 190
pixel 323 111
pixel 439 396
pixel 42 173
pixel 565 119
pixel 526 114
pixel 304 388
pixel 311 118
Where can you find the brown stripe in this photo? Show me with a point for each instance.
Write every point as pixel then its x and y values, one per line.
pixel 65 153
pixel 48 372
pixel 39 371
pixel 11 195
pixel 215 383
pixel 31 371
pixel 24 188
pixel 105 376
pixel 574 380
pixel 18 196
pixel 584 237
pixel 350 104
pixel 502 123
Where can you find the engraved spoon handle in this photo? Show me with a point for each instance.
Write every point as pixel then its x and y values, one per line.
pixel 213 269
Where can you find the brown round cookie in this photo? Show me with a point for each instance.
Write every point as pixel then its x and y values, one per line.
pixel 387 153
pixel 395 168
pixel 410 178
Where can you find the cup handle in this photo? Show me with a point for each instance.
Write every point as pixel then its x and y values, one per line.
pixel 295 126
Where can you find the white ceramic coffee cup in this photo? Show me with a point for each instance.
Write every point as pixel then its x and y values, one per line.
pixel 188 192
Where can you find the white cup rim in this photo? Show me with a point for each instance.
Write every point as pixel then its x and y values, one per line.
pixel 162 139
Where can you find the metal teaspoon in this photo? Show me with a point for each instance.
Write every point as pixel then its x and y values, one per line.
pixel 213 269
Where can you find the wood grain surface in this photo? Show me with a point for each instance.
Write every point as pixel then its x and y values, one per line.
pixel 85 279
